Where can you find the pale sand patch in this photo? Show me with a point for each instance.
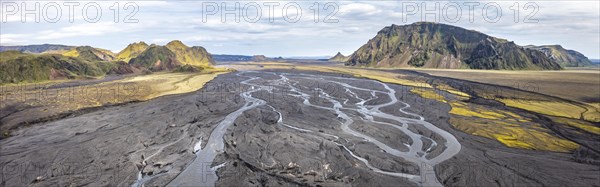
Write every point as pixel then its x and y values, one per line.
pixel 171 83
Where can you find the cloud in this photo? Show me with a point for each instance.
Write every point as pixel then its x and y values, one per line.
pixel 358 9
pixel 87 29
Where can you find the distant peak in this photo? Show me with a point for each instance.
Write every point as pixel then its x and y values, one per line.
pixel 338 57
pixel 136 44
pixel 176 44
pixel 339 54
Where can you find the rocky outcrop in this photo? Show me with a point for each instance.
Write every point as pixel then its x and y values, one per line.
pixel 338 58
pixel 562 56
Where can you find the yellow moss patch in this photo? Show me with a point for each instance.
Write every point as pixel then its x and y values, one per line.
pixel 451 90
pixel 514 135
pixel 508 128
pixel 428 94
pixel 593 112
pixel 552 108
pixel 462 109
pixel 586 126
pixel 535 140
pixel 71 53
pixel 458 93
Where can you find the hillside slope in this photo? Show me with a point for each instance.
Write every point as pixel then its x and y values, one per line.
pixel 564 57
pixel 195 56
pixel 156 58
pixel 90 62
pixel 90 53
pixel 433 45
pixel 34 68
pixel 131 51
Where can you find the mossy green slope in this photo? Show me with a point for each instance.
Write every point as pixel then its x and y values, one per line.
pixel 156 58
pixel 131 51
pixel 195 56
pixel 90 54
pixel 35 68
pixel 10 55
pixel 86 61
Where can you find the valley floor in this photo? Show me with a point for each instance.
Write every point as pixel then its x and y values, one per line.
pixel 280 124
pixel 24 104
pixel 577 85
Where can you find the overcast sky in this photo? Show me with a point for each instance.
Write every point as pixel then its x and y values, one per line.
pixel 574 25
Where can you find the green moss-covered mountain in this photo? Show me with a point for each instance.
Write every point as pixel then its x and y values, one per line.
pixel 433 45
pixel 90 53
pixel 156 58
pixel 21 67
pixel 172 56
pixel 564 57
pixel 131 51
pixel 9 55
pixel 88 62
pixel 338 58
pixel 195 56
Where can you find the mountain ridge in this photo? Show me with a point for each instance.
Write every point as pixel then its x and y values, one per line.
pixel 435 45
pixel 564 57
pixel 156 58
pixel 131 51
pixel 36 48
pixel 89 62
pixel 195 55
pixel 90 53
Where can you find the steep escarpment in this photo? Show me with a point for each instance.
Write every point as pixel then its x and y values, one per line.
pixel 433 45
